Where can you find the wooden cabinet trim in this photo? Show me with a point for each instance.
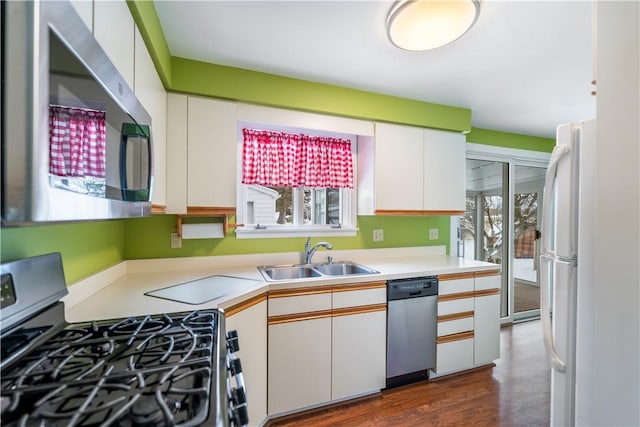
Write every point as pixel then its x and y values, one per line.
pixel 359 286
pixel 455 316
pixel 487 292
pixel 244 305
pixel 210 210
pixel 417 212
pixel 455 276
pixel 158 209
pixel 296 292
pixel 298 317
pixel 454 337
pixel 459 295
pixel 487 273
pixel 347 311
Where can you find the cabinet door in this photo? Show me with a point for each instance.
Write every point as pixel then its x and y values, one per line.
pixel 454 356
pixel 251 325
pixel 487 329
pixel 299 364
pixel 150 91
pixel 358 354
pixel 113 28
pixel 399 166
pixel 444 171
pixel 212 153
pixel 176 164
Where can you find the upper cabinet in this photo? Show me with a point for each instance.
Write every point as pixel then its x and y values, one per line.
pixel 418 171
pixel 201 146
pixel 113 27
pixel 150 92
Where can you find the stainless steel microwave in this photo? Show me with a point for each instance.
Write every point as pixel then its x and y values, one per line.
pixel 76 143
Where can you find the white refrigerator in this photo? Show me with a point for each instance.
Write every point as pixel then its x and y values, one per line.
pixel 566 263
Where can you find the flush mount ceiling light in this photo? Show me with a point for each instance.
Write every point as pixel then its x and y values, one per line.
pixel 428 24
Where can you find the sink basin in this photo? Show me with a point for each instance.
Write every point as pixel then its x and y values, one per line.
pixel 273 273
pixel 343 269
pixel 288 272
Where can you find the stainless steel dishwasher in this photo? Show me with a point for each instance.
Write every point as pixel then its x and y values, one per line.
pixel 412 306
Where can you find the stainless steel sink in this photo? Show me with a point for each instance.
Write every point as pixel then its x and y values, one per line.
pixel 288 272
pixel 275 273
pixel 343 269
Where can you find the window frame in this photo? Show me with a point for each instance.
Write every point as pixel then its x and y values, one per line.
pixel 348 199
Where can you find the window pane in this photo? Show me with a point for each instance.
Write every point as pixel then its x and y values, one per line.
pixel 269 205
pixel 326 206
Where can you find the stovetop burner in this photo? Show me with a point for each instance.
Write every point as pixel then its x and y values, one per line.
pixel 140 371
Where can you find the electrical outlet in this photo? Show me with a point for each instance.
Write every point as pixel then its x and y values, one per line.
pixel 176 241
pixel 378 235
pixel 433 234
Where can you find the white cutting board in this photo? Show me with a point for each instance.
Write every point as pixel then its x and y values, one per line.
pixel 203 290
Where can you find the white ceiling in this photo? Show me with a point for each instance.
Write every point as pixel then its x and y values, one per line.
pixel 525 66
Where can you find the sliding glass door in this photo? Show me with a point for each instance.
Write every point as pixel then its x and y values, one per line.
pixel 501 223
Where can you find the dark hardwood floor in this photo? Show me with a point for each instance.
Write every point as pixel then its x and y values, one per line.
pixel 514 393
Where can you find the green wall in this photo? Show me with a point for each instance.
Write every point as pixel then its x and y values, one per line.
pixel 91 246
pixel 86 247
pixel 150 238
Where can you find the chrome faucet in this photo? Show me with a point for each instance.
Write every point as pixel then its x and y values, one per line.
pixel 309 251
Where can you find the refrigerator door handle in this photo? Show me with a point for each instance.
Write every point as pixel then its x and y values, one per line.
pixel 545 313
pixel 547 209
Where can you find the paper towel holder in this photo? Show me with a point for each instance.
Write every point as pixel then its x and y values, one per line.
pixel 212 212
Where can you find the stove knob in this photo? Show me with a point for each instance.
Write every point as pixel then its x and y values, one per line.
pixel 235 366
pixel 238 396
pixel 233 342
pixel 240 416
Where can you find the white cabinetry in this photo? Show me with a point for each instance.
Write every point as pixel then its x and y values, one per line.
pixel 113 28
pixel 468 321
pixel 249 318
pixel 418 171
pixel 358 341
pixel 201 153
pixel 150 92
pixel 487 318
pixel 325 344
pixel 299 349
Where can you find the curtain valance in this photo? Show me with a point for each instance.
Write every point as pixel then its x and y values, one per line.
pixel 279 159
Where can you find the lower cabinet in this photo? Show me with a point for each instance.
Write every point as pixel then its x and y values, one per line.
pixel 358 361
pixel 468 321
pixel 299 364
pixel 325 344
pixel 249 318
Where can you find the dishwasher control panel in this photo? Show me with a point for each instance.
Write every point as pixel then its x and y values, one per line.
pixel 414 287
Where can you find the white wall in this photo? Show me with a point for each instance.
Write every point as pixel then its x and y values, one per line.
pixel 613 384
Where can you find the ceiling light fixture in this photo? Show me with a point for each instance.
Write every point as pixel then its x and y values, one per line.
pixel 428 24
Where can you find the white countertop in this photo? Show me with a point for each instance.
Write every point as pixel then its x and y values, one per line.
pixel 120 291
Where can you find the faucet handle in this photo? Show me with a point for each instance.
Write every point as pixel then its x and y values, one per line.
pixel 329 260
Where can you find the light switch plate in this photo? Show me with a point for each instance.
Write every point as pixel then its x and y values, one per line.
pixel 378 235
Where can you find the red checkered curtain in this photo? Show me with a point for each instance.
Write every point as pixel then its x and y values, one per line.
pixel 278 159
pixel 77 139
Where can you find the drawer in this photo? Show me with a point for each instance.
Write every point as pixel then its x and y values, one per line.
pixel 446 287
pixel 455 306
pixel 454 356
pixel 455 326
pixel 359 297
pixel 299 304
pixel 488 282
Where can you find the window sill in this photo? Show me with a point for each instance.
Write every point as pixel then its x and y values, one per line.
pixel 250 232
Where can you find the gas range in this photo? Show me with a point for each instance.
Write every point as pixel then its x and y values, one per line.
pixel 175 369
